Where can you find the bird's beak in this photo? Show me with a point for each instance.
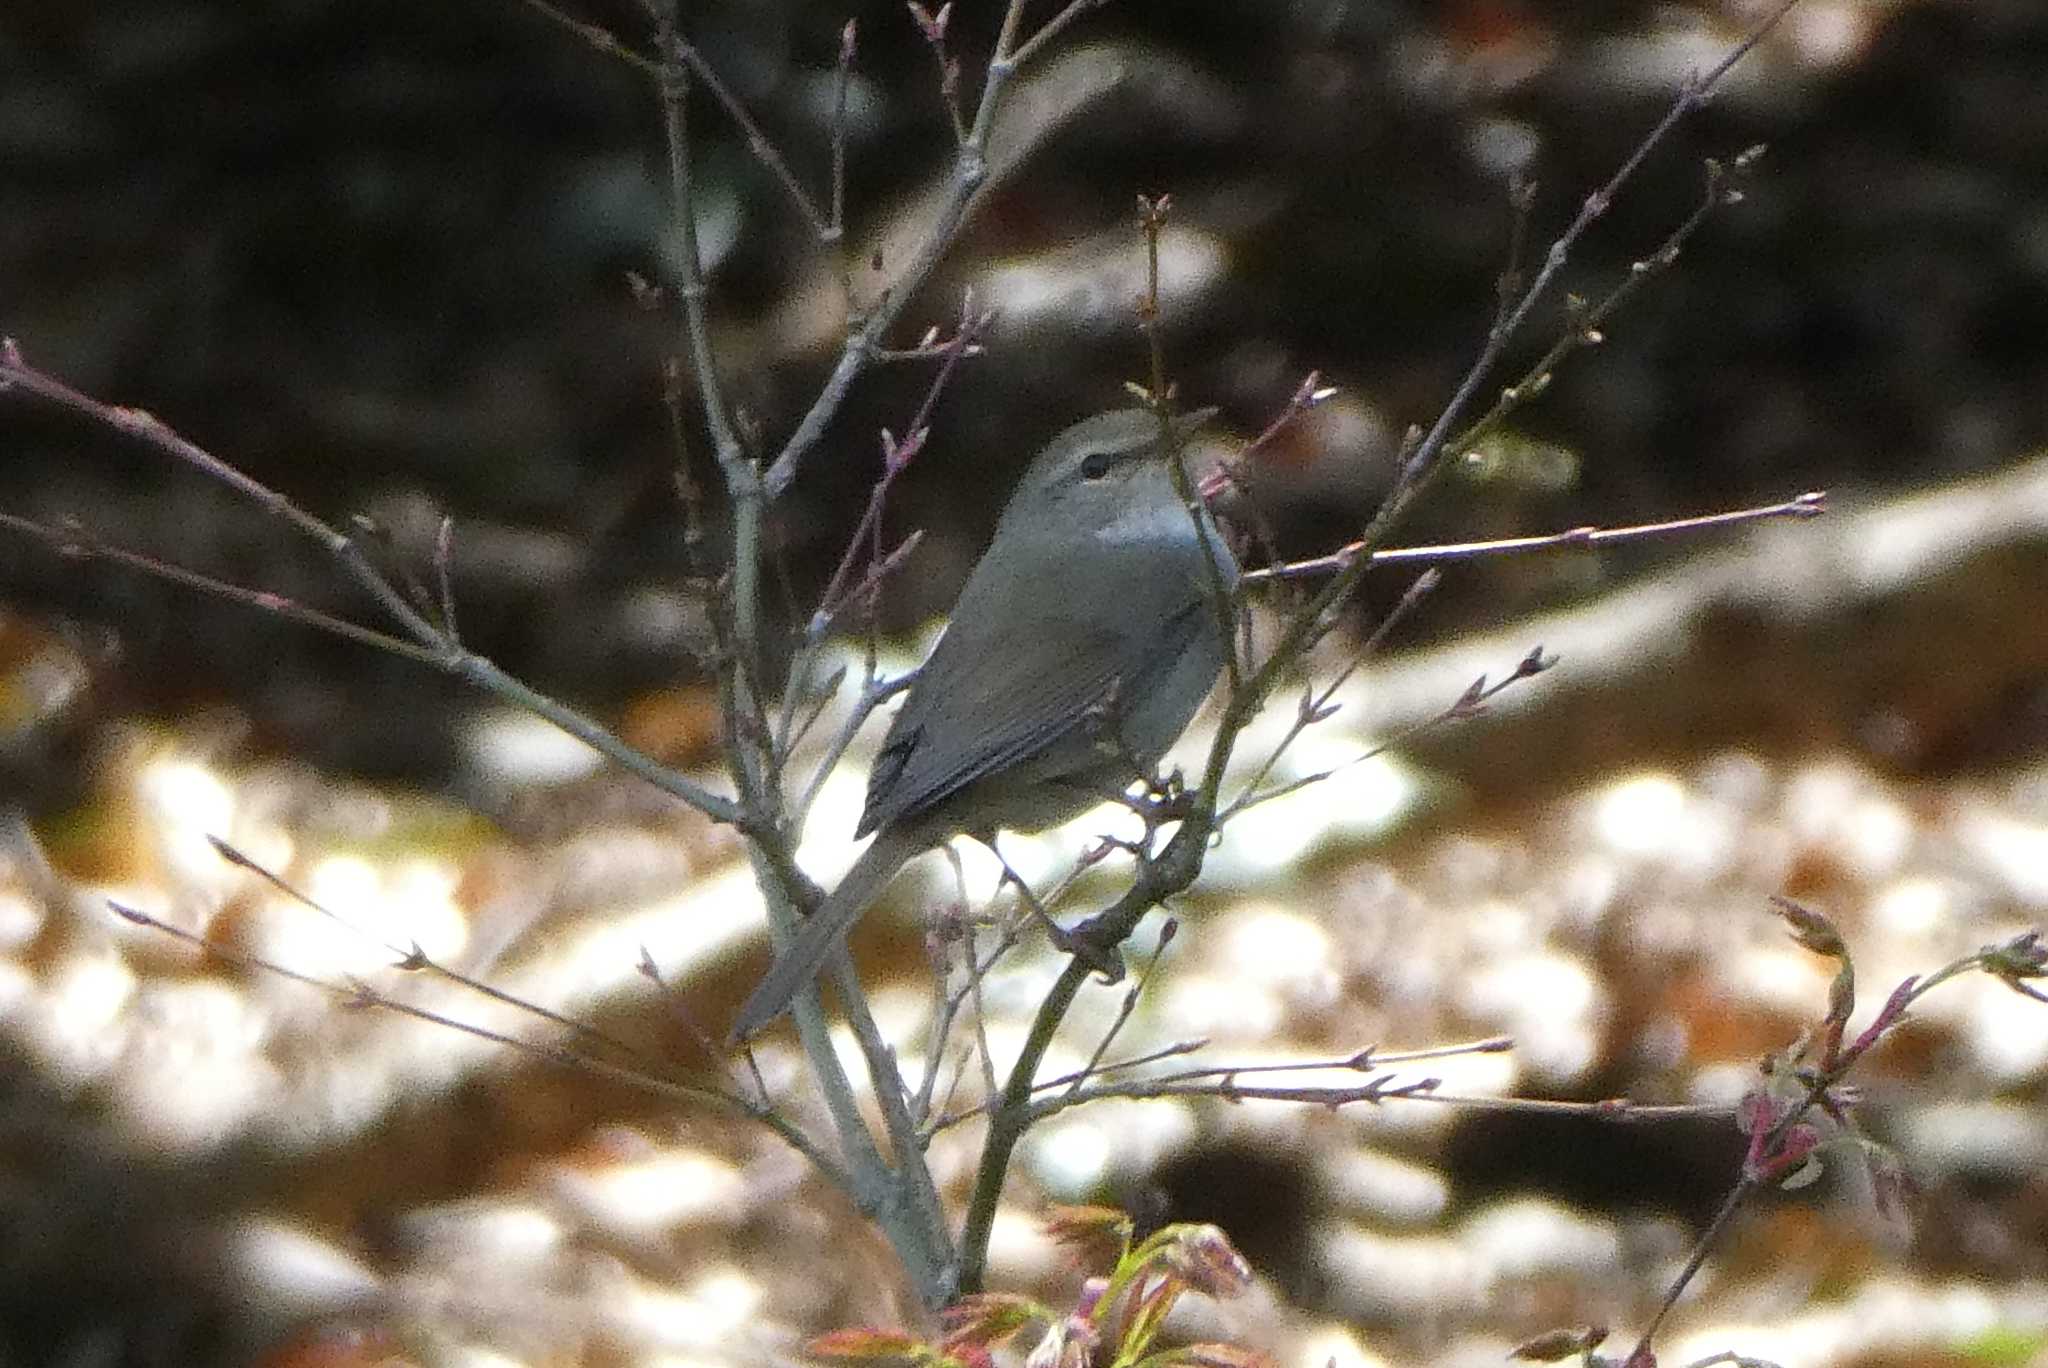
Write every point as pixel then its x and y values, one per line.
pixel 1185 425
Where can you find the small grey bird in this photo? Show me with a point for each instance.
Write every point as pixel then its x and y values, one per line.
pixel 1084 641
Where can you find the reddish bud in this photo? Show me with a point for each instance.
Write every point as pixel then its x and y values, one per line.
pixel 1756 1113
pixel 1202 1257
pixel 2021 958
pixel 1811 929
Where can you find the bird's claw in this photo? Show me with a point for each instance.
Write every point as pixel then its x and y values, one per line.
pixel 1078 944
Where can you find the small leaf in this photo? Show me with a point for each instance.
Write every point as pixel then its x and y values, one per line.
pixel 1558 1345
pixel 866 1344
pixel 1068 1343
pixel 1099 1236
pixel 1208 1356
pixel 987 1319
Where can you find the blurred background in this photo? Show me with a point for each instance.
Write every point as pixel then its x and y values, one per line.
pixel 383 256
pixel 379 254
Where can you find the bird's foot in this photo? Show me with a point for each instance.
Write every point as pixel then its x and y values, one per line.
pixel 1079 944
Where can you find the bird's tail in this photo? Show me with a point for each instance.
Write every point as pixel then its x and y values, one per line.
pixel 820 934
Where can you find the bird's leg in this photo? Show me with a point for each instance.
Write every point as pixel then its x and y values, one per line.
pixel 953 925
pixel 959 877
pixel 1165 797
pixel 1109 965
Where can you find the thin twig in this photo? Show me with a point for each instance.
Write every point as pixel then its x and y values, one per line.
pixel 984 1054
pixel 970 172
pixel 362 995
pixel 444 575
pixel 1469 704
pixel 75 543
pixel 842 82
pixel 1808 505
pixel 1383 1088
pixel 1308 395
pixel 873 695
pixel 671 39
pixel 864 543
pixel 703 1039
pixel 1124 1009
pixel 599 37
pixel 429 646
pixel 1177 864
pixel 897 457
pixel 742 481
pixel 1521 209
pixel 931 25
pixel 1054 27
pixel 1315 703
pixel 1216 580
pixel 413 958
pixel 927 349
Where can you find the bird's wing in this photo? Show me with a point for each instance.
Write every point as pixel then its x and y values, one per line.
pixel 976 708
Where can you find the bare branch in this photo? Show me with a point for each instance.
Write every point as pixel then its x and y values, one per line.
pixel 1308 395
pixel 413 958
pixel 931 25
pixel 970 172
pixel 842 81
pixel 76 543
pixel 444 576
pixel 1152 216
pixel 1315 703
pixel 1691 97
pixel 1472 703
pixel 1808 505
pixel 362 995
pixel 670 39
pixel 1053 27
pixel 599 37
pixel 429 645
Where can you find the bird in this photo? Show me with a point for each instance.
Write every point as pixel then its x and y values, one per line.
pixel 1084 641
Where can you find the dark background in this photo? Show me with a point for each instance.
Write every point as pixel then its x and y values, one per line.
pixel 378 254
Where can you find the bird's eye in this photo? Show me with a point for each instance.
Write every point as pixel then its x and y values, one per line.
pixel 1095 465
